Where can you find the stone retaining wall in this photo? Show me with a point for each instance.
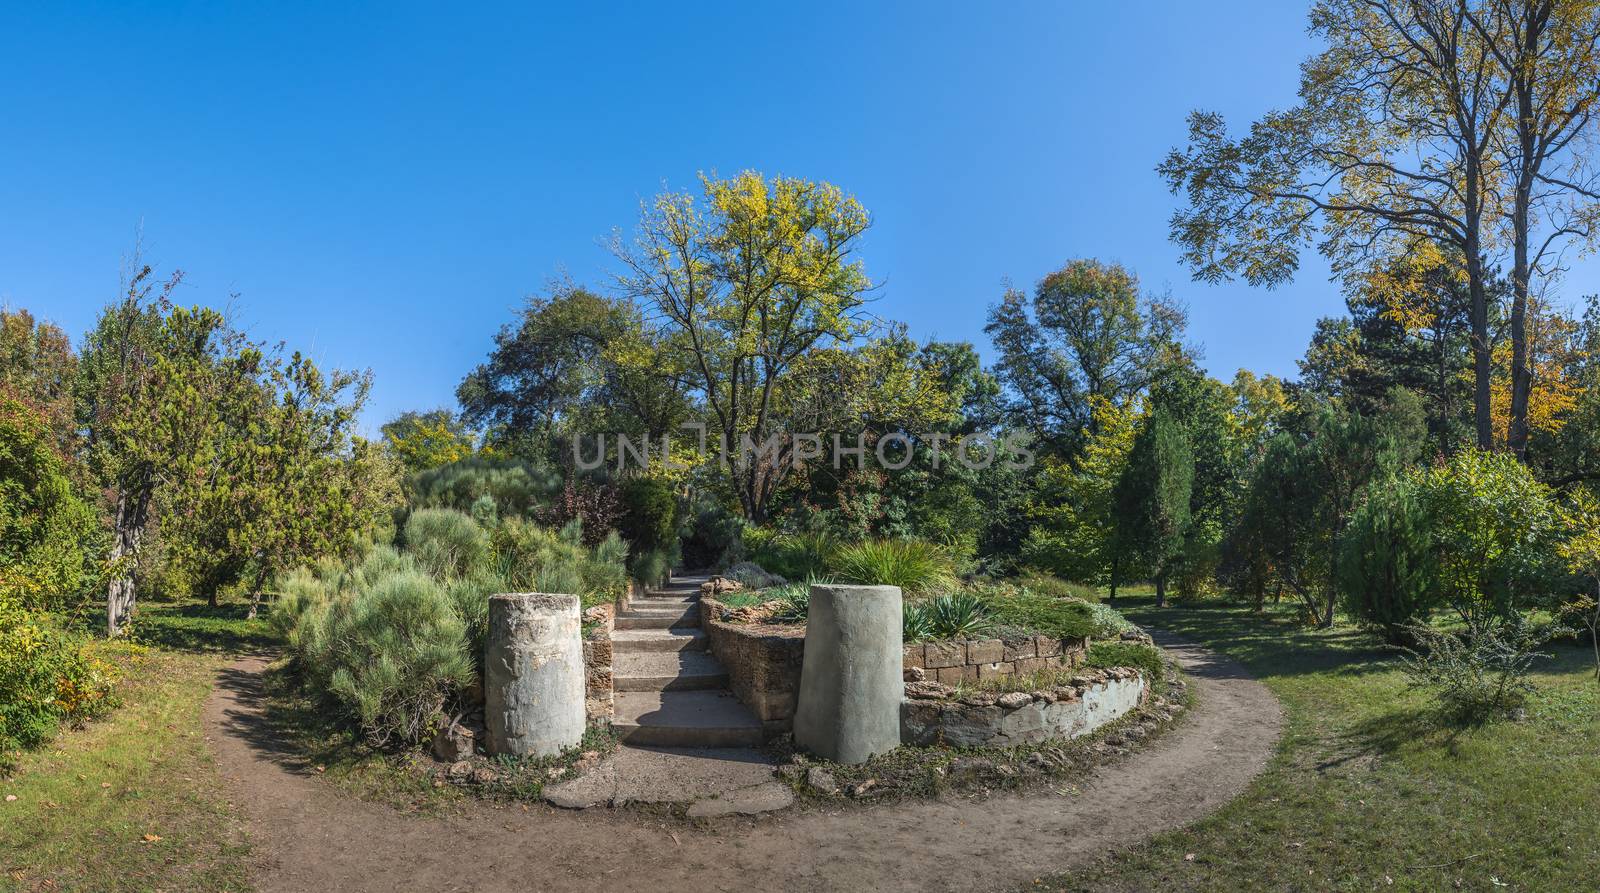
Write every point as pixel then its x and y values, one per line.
pixel 763 664
pixel 973 660
pixel 933 714
pixel 598 696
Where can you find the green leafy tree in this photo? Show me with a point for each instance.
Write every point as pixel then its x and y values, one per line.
pixel 50 538
pixel 746 285
pixel 424 440
pixel 1392 141
pixel 141 399
pixel 1153 500
pixel 38 366
pixel 1087 333
pixel 1303 491
pixel 1496 527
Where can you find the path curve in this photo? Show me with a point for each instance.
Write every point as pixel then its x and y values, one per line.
pixel 309 836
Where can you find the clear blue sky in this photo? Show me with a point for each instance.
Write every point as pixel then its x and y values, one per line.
pixel 383 186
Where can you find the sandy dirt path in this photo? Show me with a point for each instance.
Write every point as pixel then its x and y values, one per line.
pixel 310 837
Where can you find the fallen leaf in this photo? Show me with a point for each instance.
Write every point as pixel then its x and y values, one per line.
pixel 1188 857
pixel 151 838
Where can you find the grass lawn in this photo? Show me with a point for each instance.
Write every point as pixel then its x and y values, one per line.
pixel 1366 793
pixel 130 802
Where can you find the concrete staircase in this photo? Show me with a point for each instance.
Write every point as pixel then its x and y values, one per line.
pixel 670 691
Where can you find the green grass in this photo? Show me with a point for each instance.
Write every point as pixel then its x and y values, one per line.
pixel 1367 792
pixel 85 803
pixel 196 626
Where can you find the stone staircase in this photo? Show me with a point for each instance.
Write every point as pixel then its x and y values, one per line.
pixel 671 691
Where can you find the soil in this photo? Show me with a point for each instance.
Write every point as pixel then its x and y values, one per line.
pixel 309 836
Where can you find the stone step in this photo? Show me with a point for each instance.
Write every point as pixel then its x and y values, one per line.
pixel 668 671
pixel 684 719
pixel 683 638
pixel 658 619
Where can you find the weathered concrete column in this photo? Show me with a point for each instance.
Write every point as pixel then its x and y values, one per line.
pixel 851 681
pixel 533 669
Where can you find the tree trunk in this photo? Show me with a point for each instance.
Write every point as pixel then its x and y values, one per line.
pixel 1161 590
pixel 1521 272
pixel 1116 569
pixel 132 514
pixel 1482 359
pixel 1326 620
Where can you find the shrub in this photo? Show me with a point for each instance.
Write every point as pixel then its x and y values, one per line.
pixel 712 530
pixel 915 566
pixel 401 651
pixel 796 556
pixel 649 514
pixel 1477 674
pixel 49 537
pixel 1386 572
pixel 1105 655
pixel 46 678
pixel 914 625
pixel 1495 528
pixel 533 558
pixel 515 489
pixel 652 566
pixel 445 542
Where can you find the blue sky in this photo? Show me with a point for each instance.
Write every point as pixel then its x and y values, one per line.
pixel 382 186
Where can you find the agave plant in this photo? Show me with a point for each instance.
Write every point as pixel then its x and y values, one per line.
pixel 958 615
pixel 792 600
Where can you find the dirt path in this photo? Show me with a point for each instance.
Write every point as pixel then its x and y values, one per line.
pixel 309 837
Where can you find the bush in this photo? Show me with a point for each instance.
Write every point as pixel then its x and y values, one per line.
pixel 1477 674
pixel 1105 655
pixel 916 567
pixel 649 514
pixel 1386 572
pixel 514 489
pixel 711 531
pixel 1495 529
pixel 530 558
pixel 49 537
pixel 652 567
pixel 795 556
pixel 46 679
pixel 445 542
pixel 401 651
pixel 957 615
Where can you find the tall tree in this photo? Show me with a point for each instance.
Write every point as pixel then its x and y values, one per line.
pixel 1087 333
pixel 746 285
pixel 138 400
pixel 1153 499
pixel 424 440
pixel 1548 57
pixel 1393 141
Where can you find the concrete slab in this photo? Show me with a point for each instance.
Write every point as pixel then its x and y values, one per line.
pixel 766 797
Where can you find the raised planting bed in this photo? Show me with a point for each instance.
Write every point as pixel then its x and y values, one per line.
pixel 936 713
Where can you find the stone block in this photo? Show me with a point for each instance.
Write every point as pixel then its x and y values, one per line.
pixel 919 722
pixel 1047 646
pixel 966 726
pixel 997 670
pixel 986 651
pixel 937 655
pixel 534 674
pixel 1029 665
pixel 1020 650
pixel 913 657
pixel 950 675
pixel 969 673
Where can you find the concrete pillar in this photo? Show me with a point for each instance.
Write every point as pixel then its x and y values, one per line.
pixel 851 681
pixel 533 669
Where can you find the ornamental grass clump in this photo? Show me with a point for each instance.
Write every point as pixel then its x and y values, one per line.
pixel 445 542
pixel 957 615
pixel 915 566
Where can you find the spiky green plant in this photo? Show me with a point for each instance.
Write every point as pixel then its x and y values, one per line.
pixel 915 566
pixel 957 615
